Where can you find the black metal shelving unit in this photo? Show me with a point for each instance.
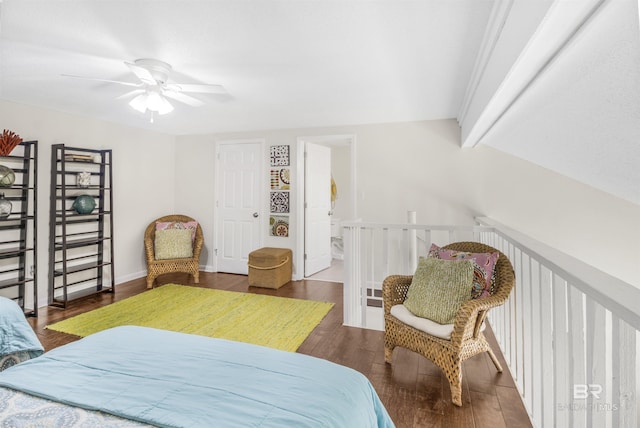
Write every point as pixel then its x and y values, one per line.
pixel 81 244
pixel 19 231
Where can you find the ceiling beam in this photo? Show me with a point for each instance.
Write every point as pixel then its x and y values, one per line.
pixel 544 34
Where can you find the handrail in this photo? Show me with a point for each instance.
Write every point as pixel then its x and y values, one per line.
pixel 621 298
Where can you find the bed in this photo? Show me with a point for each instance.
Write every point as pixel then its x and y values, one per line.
pixel 18 342
pixel 132 376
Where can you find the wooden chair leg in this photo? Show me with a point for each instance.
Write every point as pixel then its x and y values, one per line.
pixel 196 277
pixel 150 279
pixel 495 360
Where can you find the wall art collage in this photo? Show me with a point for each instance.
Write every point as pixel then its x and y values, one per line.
pixel 280 179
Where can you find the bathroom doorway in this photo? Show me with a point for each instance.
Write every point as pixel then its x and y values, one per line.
pixel 343 203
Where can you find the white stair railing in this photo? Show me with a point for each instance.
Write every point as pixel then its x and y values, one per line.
pixel 569 333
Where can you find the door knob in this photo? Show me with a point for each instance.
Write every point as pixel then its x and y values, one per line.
pixel 255 215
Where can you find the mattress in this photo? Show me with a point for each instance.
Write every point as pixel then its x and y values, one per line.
pixel 171 379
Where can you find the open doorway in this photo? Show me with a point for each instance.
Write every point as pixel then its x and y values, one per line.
pixel 342 207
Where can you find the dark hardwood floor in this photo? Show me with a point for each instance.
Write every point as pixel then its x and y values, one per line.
pixel 414 391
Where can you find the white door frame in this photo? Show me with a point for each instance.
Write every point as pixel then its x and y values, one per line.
pixel 300 186
pixel 262 226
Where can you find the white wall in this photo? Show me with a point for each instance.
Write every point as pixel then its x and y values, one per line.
pixel 143 174
pixel 420 166
pixel 589 224
pixel 399 167
pixel 403 166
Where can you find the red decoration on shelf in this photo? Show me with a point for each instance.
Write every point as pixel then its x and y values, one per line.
pixel 8 141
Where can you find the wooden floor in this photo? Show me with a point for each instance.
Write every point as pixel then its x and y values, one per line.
pixel 414 391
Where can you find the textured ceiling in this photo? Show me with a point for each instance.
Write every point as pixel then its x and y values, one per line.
pixel 314 63
pixel 284 63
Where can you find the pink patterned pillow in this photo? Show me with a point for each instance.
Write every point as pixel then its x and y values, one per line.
pixel 191 225
pixel 483 268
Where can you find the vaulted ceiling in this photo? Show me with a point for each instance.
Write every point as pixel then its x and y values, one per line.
pixel 553 81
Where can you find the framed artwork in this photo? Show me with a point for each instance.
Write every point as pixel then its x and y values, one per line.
pixel 280 179
pixel 279 202
pixel 279 155
pixel 279 225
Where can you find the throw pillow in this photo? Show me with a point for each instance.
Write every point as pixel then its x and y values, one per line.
pixel 191 225
pixel 438 288
pixel 483 268
pixel 173 244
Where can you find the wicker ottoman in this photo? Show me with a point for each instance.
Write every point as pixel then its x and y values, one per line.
pixel 270 267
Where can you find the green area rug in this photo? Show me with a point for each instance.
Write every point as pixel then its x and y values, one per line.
pixel 276 322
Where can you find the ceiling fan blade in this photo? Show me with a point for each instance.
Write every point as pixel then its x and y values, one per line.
pixel 198 88
pixel 136 85
pixel 143 74
pixel 183 98
pixel 130 93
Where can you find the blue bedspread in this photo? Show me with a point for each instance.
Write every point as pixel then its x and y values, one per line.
pixel 16 335
pixel 179 380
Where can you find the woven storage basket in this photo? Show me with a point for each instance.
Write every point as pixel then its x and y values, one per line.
pixel 270 267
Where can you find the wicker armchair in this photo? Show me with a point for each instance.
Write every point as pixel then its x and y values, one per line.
pixel 467 338
pixel 186 265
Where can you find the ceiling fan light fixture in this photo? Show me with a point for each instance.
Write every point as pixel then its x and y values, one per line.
pixel 156 102
pixel 152 101
pixel 139 103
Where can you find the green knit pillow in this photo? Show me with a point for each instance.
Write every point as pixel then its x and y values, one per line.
pixel 173 244
pixel 439 288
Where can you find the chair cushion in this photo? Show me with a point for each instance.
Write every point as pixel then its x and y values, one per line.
pixel 173 244
pixel 191 225
pixel 442 331
pixel 483 268
pixel 438 288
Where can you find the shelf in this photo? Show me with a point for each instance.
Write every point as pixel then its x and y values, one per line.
pixel 80 268
pixel 18 231
pixel 59 302
pixel 73 213
pixel 90 187
pixel 13 252
pixel 7 283
pixel 81 220
pixel 77 241
pixel 16 222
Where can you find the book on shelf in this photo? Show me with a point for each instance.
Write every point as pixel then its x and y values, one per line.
pixel 78 157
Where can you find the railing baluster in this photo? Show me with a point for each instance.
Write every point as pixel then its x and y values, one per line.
pixel 561 350
pixel 624 405
pixel 546 375
pixel 596 363
pixel 537 382
pixel 527 329
pixel 518 324
pixel 577 337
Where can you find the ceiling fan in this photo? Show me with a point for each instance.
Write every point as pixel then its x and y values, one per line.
pixel 154 88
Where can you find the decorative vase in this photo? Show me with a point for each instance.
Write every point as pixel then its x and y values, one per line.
pixel 7 176
pixel 83 179
pixel 84 204
pixel 5 207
